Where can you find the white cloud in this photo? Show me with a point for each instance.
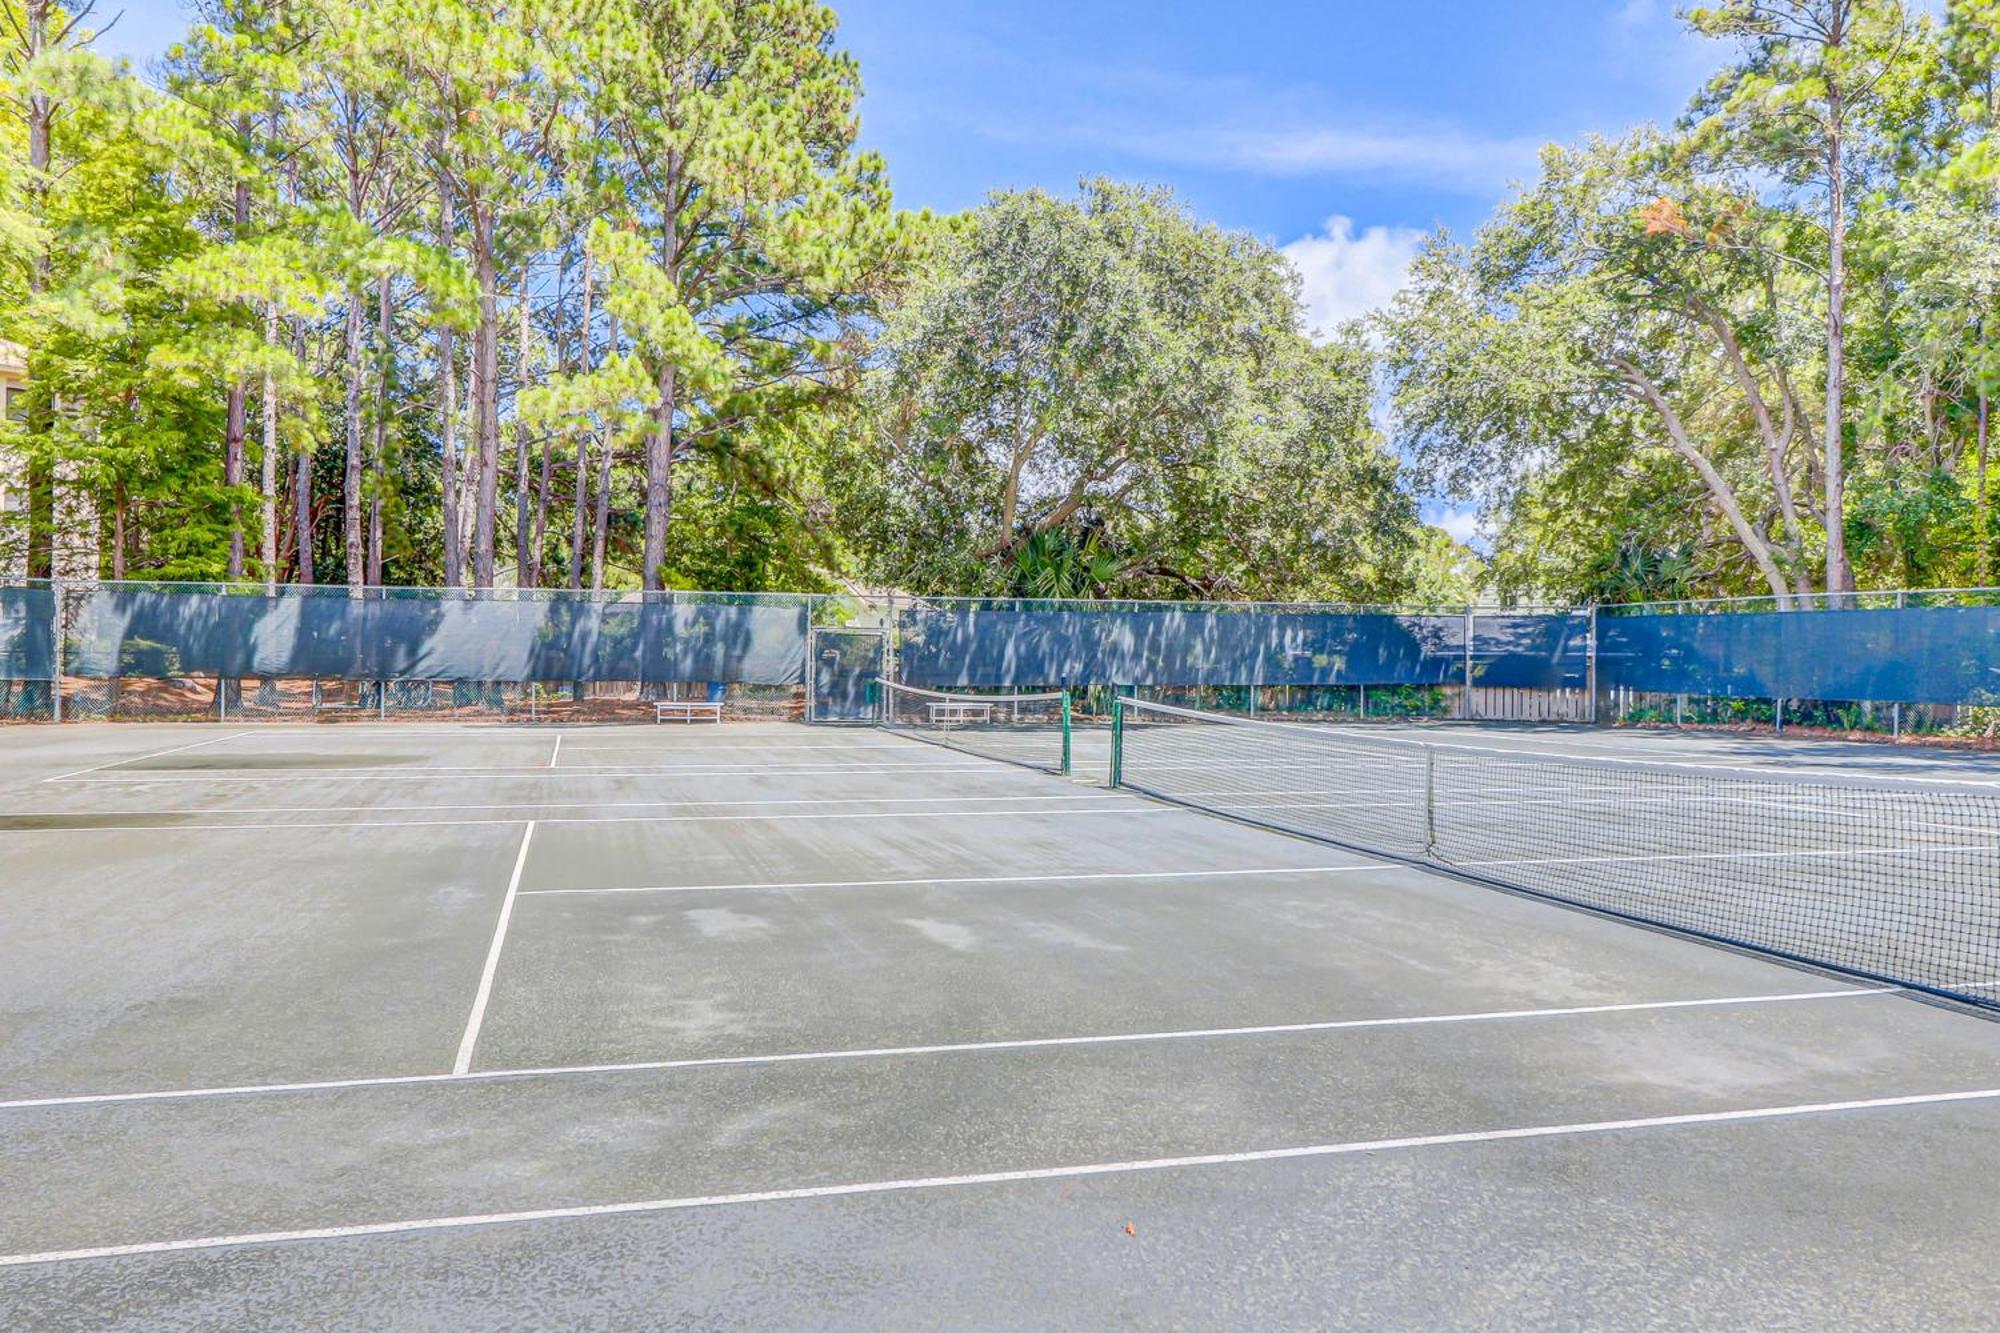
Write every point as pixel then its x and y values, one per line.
pixel 1348 273
pixel 1442 157
pixel 1460 522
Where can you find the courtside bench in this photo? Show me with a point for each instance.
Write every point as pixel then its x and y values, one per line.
pixel 687 710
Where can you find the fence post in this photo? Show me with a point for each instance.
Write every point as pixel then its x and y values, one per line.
pixel 890 668
pixel 1465 690
pixel 1590 667
pixel 55 649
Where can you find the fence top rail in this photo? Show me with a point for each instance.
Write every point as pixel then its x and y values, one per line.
pixel 1152 605
pixel 406 592
pixel 1885 599
pixel 832 602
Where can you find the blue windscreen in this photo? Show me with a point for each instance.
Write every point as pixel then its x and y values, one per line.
pixel 27 634
pixel 115 632
pixel 1943 654
pixel 1164 644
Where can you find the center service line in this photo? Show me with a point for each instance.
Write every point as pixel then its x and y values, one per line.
pixel 478 1016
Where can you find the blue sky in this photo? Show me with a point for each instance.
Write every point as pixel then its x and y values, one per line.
pixel 1341 130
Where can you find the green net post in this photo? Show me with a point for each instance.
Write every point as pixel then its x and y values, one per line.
pixel 1117 738
pixel 1066 733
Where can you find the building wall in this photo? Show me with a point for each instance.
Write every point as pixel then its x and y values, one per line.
pixel 13 474
pixel 76 543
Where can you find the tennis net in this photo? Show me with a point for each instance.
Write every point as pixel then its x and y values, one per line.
pixel 1028 729
pixel 1895 880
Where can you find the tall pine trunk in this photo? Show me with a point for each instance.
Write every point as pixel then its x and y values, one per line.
pixel 378 466
pixel 447 360
pixel 41 471
pixel 579 511
pixel 486 394
pixel 236 429
pixel 267 488
pixel 357 560
pixel 1985 508
pixel 601 520
pixel 235 433
pixel 1839 575
pixel 119 507
pixel 524 547
pixel 542 488
pixel 302 485
pixel 659 483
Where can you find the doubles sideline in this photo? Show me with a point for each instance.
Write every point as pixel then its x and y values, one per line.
pixel 1023 1175
pixel 461 1074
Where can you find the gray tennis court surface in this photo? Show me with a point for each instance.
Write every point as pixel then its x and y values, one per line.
pixel 774 1026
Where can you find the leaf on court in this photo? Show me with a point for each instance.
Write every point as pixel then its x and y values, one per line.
pixel 1131 1230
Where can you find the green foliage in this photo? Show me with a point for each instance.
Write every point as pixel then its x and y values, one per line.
pixel 1446 572
pixel 778 380
pixel 1132 388
pixel 1635 364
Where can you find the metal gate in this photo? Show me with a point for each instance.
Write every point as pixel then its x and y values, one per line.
pixel 842 666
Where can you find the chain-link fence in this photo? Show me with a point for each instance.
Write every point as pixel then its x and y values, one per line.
pixel 1868 663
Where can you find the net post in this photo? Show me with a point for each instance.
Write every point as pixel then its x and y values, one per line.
pixel 1117 738
pixel 1430 801
pixel 55 649
pixel 1065 733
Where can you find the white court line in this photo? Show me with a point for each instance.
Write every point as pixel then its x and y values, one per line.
pixel 141 758
pixel 787 887
pixel 838 747
pixel 682 804
pixel 942 1048
pixel 557 753
pixel 325 775
pixel 485 992
pixel 322 772
pixel 1136 808
pixel 1352 1147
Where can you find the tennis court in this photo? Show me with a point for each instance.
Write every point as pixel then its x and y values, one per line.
pixel 774 1025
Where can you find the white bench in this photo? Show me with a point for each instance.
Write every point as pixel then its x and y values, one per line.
pixel 960 711
pixel 687 710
